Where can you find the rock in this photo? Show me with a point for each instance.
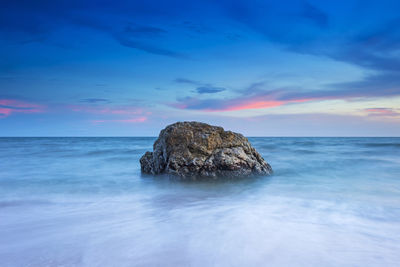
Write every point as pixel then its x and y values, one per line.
pixel 193 150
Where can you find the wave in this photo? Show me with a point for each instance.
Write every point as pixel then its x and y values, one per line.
pixel 115 152
pixel 305 143
pixel 394 145
pixel 270 147
pixel 74 153
pixel 305 151
pixel 119 159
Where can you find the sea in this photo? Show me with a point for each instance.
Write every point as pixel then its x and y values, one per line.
pixel 83 202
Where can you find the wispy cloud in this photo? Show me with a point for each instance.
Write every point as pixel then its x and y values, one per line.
pixel 39 22
pixel 234 104
pixel 146 38
pixel 314 14
pixel 95 100
pixel 202 88
pixel 372 45
pixel 149 48
pixel 112 114
pixel 187 81
pixel 10 106
pixel 382 112
pixel 131 120
pixel 383 84
pixel 115 110
pixel 207 89
pixel 142 37
pixel 256 96
pixel 144 30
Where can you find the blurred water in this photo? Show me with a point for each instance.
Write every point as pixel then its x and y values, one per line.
pixel 83 202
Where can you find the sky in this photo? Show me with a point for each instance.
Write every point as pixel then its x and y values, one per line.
pixel 261 68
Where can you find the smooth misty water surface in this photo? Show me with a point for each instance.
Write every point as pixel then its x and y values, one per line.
pixel 83 202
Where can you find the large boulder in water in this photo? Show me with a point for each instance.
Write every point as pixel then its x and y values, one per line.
pixel 193 150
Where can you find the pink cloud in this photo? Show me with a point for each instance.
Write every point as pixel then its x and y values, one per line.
pixel 125 110
pixel 113 114
pixel 10 106
pixel 132 120
pixel 235 104
pixel 385 112
pixel 109 114
pixel 259 104
pixel 254 105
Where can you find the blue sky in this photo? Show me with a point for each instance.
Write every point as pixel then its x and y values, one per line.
pixel 263 68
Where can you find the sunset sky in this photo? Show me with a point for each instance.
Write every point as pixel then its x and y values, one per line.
pixel 262 68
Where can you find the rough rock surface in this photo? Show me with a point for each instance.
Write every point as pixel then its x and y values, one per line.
pixel 193 150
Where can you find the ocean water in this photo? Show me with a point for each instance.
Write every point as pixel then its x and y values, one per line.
pixel 83 202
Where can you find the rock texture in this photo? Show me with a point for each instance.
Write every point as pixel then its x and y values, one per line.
pixel 193 150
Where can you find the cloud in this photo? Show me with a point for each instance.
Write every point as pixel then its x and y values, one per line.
pixel 255 87
pixel 116 110
pixel 198 28
pixel 202 88
pixel 292 22
pixel 315 15
pixel 313 27
pixel 234 104
pixel 149 48
pixel 10 106
pixel 187 81
pixel 141 37
pixel 112 114
pixel 256 96
pixel 144 30
pixel 95 100
pixel 367 57
pixel 373 45
pixel 319 124
pixel 131 120
pixel 298 26
pixel 24 23
pixel 374 85
pixel 209 89
pixel 382 112
pixel 138 37
pixel 374 50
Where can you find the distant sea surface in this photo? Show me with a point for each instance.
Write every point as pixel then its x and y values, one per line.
pixel 83 202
